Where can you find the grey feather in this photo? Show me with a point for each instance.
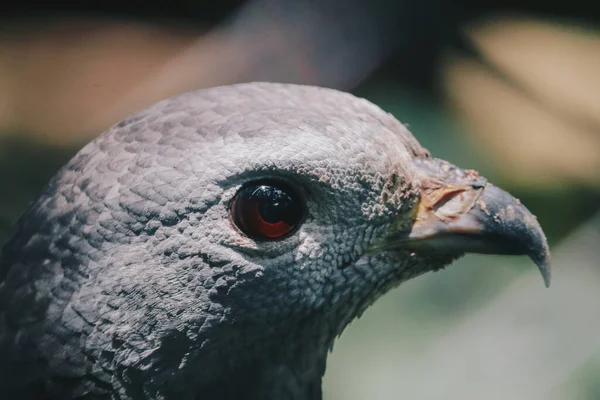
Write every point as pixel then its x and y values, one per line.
pixel 127 280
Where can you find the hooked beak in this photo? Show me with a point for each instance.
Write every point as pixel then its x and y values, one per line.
pixel 460 212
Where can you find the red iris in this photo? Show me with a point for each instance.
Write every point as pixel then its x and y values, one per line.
pixel 266 210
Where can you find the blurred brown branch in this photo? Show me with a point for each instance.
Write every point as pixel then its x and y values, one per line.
pixel 546 129
pixel 68 80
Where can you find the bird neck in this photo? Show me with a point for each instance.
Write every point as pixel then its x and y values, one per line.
pixel 288 364
pixel 269 380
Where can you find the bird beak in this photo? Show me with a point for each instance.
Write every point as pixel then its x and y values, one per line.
pixel 460 212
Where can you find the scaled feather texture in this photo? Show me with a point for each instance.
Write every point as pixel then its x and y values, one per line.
pixel 128 279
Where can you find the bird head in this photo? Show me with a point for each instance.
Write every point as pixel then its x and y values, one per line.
pixel 249 224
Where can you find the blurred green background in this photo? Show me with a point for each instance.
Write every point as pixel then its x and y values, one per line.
pixel 514 95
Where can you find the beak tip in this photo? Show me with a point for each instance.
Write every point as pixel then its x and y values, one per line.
pixel 541 258
pixel 520 223
pixel 546 273
pixel 545 270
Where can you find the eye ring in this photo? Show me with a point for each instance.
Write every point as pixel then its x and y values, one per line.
pixel 267 210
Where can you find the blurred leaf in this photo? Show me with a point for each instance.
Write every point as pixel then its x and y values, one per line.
pixel 26 167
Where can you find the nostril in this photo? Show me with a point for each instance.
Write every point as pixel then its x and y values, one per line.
pixel 455 203
pixel 447 197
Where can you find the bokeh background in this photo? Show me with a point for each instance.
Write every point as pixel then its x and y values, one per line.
pixel 512 90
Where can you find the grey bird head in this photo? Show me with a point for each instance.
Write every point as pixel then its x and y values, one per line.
pixel 215 244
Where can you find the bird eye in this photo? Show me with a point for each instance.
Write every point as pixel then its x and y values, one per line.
pixel 266 210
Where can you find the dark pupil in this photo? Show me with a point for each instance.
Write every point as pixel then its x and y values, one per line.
pixel 274 205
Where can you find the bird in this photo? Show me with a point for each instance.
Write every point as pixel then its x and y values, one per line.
pixel 215 244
